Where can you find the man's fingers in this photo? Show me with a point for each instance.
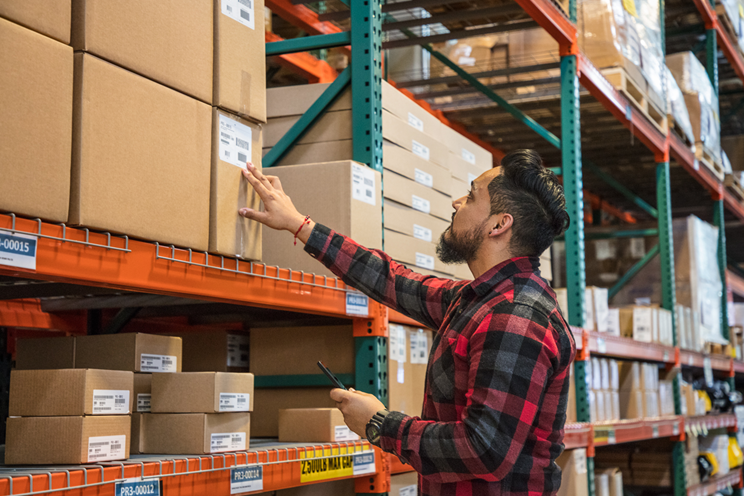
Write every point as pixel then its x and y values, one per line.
pixel 275 182
pixel 339 395
pixel 260 188
pixel 259 175
pixel 256 215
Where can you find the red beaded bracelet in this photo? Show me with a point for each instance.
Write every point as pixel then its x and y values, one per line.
pixel 306 221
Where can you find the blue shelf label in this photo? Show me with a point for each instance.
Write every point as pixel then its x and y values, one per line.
pixel 357 304
pixel 149 487
pixel 246 479
pixel 18 250
pixel 364 463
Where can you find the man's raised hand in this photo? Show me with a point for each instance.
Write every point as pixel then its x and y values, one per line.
pixel 279 212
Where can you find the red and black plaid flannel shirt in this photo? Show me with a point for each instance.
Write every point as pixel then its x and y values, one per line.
pixel 498 373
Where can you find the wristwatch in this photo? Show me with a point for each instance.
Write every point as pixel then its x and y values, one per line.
pixel 374 427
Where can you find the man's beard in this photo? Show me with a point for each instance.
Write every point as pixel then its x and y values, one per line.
pixel 460 248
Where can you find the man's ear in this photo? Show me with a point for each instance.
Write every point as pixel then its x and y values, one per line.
pixel 500 224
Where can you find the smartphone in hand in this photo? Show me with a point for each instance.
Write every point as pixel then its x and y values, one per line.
pixel 330 376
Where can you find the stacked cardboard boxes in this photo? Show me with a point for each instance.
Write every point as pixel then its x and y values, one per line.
pixel 639 390
pixel 608 482
pixel 603 381
pixel 404 484
pixel 408 356
pixel 596 312
pixel 314 425
pixel 215 351
pixel 647 324
pixel 573 466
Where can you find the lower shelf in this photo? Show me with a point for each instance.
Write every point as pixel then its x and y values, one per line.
pixel 718 483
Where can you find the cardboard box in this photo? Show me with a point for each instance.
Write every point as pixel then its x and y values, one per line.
pixel 414 252
pixel 468 151
pixel 195 433
pixel 404 484
pixel 638 376
pixel 410 222
pixel 631 404
pixel 134 352
pixel 594 413
pixel 66 440
pixel 240 58
pixel 600 309
pixel 332 125
pixel 313 425
pixel 604 373
pixel 408 356
pixel 140 156
pixel 462 272
pixel 316 153
pixel 596 377
pixel 142 397
pixel 52 19
pixel 616 415
pixel 408 137
pixel 37 80
pixel 609 409
pixel 135 438
pixel 637 323
pixel 571 407
pixel 268 402
pixel 345 196
pixel 613 321
pixel 614 369
pixel 169 45
pixel 465 171
pixel 615 481
pixel 215 350
pixel 202 392
pixel 235 141
pixel 599 398
pixel 651 403
pixel 408 164
pixel 45 353
pixel 69 392
pixel 666 398
pixel 573 467
pixel 417 196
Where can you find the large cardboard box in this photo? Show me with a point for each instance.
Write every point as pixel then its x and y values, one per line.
pixel 70 392
pixel 345 196
pixel 414 252
pixel 265 415
pixel 215 350
pixel 414 223
pixel 134 352
pixel 407 110
pixel 408 356
pixel 573 466
pixel 202 392
pixel 315 153
pixel 404 484
pixel 135 439
pixel 142 397
pixel 235 141
pixel 637 323
pixel 50 18
pixel 173 46
pixel 468 151
pixel 36 80
pixel 140 156
pixel 632 404
pixel 412 166
pixel 314 425
pixel 45 353
pixel 240 57
pixel 195 433
pixel 417 196
pixel 66 440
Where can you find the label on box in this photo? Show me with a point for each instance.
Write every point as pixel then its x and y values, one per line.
pixel 246 479
pixel 343 433
pixel 357 304
pixel 466 61
pixel 235 402
pixel 401 375
pixel 237 350
pixel 419 348
pixel 580 461
pixel 241 11
pixel 642 322
pixel 227 441
pixel 158 363
pixel 137 487
pixel 420 204
pixel 364 463
pixel 422 233
pixel 605 249
pixel 363 184
pixel 110 402
pixel 397 343
pixel 419 149
pixel 637 248
pixel 424 178
pixel 235 141
pixel 424 261
pixel 468 156
pixel 708 371
pixel 411 490
pixel 143 402
pixel 415 122
pixel 102 448
pixel 18 250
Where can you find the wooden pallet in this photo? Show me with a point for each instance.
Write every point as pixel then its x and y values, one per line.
pixel 733 184
pixel 707 159
pixel 719 349
pixel 728 26
pixel 638 95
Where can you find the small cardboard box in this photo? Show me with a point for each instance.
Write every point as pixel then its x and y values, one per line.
pixel 202 392
pixel 470 152
pixel 638 376
pixel 651 404
pixel 195 433
pixel 52 19
pixel 36 79
pixel 573 465
pixel 142 399
pixel 135 439
pixel 407 110
pixel 45 353
pixel 70 392
pixel 265 415
pixel 235 141
pixel 631 404
pixel 417 196
pixel 404 484
pixel 412 166
pixel 408 356
pixel 313 425
pixel 410 222
pixel 637 323
pixel 134 352
pixel 402 134
pixel 218 351
pixel 66 440
pixel 414 252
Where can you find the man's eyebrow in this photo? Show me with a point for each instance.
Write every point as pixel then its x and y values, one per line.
pixel 472 186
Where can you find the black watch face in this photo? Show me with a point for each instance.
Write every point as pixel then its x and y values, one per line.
pixel 373 434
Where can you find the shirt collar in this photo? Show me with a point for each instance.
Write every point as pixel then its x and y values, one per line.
pixel 499 273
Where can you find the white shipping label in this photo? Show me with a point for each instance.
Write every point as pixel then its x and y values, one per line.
pixel 642 324
pixel 397 343
pixel 422 233
pixel 466 61
pixel 241 11
pixel 605 249
pixel 468 156
pixel 237 350
pixel 227 441
pixel 343 433
pixel 18 250
pixel 419 348
pixel 420 150
pixel 424 178
pixel 411 490
pixel 415 122
pixel 637 247
pixel 357 304
pixel 110 402
pixel 235 402
pixel 158 363
pixel 401 375
pixel 143 402
pixel 102 448
pixel 424 261
pixel 235 142
pixel 363 184
pixel 580 459
pixel 420 204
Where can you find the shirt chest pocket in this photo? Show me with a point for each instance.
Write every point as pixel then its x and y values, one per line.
pixel 449 375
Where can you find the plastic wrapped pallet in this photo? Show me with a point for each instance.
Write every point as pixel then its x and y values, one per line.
pixel 652 57
pixel 677 107
pixel 730 13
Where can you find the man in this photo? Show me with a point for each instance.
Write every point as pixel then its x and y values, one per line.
pixel 497 379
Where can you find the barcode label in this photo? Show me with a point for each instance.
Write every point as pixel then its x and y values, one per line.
pixel 468 156
pixel 424 178
pixel 363 184
pixel 110 402
pixel 415 122
pixel 232 441
pixel 420 204
pixel 241 11
pixel 411 490
pixel 242 158
pixel 143 402
pixel 235 402
pixel 235 142
pixel 422 233
pixel 424 261
pixel 158 363
pixel 343 433
pixel 103 448
pixel 245 15
pixel 419 149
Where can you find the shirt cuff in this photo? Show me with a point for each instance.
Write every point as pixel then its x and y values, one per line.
pixel 390 435
pixel 318 240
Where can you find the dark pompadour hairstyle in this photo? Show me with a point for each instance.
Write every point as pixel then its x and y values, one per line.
pixel 533 195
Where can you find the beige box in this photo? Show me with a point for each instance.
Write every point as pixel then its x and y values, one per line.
pixel 173 46
pixel 195 433
pixel 345 196
pixel 404 484
pixel 135 438
pixel 140 156
pixel 651 403
pixel 666 398
pixel 215 350
pixel 408 356
pixel 409 111
pixel 465 171
pixel 66 440
pixel 142 397
pixel 468 151
pixel 134 352
pixel 50 18
pixel 36 80
pixel 414 252
pixel 45 353
pixel 268 402
pixel 637 323
pixel 574 467
pixel 235 141
pixel 601 407
pixel 417 196
pixel 596 376
pixel 414 223
pixel 637 376
pixel 313 425
pixel 314 153
pixel 616 415
pixel 631 404
pixel 402 134
pixel 571 407
pixel 330 126
pixel 412 166
pixel 69 392
pixel 202 392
